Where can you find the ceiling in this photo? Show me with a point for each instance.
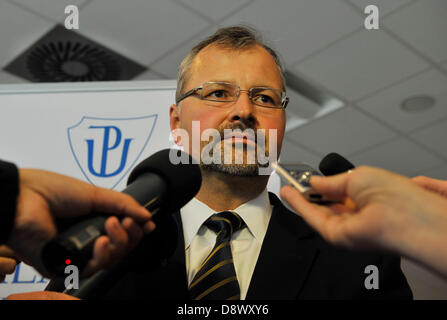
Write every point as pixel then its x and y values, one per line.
pixel 324 41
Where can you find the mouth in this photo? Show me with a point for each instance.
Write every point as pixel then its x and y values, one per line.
pixel 243 139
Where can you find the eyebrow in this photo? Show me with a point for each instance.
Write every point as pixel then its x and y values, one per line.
pixel 258 85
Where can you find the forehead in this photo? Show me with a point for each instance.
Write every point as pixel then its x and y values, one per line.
pixel 247 67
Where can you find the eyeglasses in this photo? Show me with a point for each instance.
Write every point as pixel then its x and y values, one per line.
pixel 223 92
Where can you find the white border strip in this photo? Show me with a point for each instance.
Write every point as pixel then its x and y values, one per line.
pixel 59 87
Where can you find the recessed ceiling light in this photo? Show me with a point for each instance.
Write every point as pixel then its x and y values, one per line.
pixel 417 104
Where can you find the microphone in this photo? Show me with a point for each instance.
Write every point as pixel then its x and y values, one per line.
pixel 156 184
pixel 333 164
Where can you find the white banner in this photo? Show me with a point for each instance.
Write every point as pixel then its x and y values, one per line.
pixel 96 132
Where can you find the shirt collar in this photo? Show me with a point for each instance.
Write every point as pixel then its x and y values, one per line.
pixel 256 214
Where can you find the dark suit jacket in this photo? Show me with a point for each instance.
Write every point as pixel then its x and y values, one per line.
pixel 294 263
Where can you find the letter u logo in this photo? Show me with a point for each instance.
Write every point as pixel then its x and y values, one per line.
pixel 106 148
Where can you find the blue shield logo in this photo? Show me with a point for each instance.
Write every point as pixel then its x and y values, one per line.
pixel 106 149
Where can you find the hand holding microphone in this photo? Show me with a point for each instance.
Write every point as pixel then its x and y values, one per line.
pixel 156 183
pixel 46 196
pixel 389 212
pixel 48 228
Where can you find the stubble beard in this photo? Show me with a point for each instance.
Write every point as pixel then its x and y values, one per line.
pixel 243 169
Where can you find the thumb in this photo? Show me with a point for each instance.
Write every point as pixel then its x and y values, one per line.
pixel 333 187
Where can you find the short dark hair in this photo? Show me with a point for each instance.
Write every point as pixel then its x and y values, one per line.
pixel 235 37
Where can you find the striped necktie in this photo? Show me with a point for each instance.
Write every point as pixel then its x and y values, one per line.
pixel 216 278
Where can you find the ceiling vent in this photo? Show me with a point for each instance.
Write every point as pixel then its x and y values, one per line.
pixel 65 56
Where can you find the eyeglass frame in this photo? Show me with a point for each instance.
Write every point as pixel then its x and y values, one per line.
pixel 284 98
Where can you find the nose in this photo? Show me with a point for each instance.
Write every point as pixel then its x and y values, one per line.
pixel 243 109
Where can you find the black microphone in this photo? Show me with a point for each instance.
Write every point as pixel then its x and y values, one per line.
pixel 156 183
pixel 333 164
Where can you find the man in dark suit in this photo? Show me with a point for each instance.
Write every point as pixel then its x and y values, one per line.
pixel 234 239
pixel 294 263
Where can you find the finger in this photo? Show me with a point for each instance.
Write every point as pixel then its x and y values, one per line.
pixel 347 206
pixel 7 265
pixel 333 187
pixel 149 227
pixel 116 203
pixel 435 185
pixel 118 241
pixel 324 220
pixel 83 198
pixel 6 251
pixel 315 215
pixel 118 236
pixel 134 232
pixel 328 222
pixel 101 254
pixel 424 182
pixel 109 248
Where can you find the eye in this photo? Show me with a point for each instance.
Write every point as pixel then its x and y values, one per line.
pixel 264 99
pixel 218 94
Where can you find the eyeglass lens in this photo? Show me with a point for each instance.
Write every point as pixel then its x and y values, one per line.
pixel 226 92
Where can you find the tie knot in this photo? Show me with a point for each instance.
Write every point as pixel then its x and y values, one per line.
pixel 225 223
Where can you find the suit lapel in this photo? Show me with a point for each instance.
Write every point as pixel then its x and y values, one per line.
pixel 178 257
pixel 168 280
pixel 175 266
pixel 285 258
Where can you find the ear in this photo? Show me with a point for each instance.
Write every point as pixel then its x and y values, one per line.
pixel 174 121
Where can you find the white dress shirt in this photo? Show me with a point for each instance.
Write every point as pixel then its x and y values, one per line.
pixel 245 245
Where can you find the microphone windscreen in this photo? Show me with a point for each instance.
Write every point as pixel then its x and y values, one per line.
pixel 183 180
pixel 333 163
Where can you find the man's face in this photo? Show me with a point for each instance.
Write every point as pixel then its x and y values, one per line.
pixel 247 68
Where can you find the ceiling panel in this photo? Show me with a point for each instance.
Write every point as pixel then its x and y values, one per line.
pixel 298 28
pixel 385 6
pixel 142 30
pixel 301 110
pixel 301 106
pixel 215 10
pixel 50 9
pixel 6 77
pixel 18 30
pixel 434 137
pixel 292 153
pixel 399 155
pixel 344 131
pixel 386 105
pixel 423 25
pixel 293 121
pixel 169 63
pixel 362 63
